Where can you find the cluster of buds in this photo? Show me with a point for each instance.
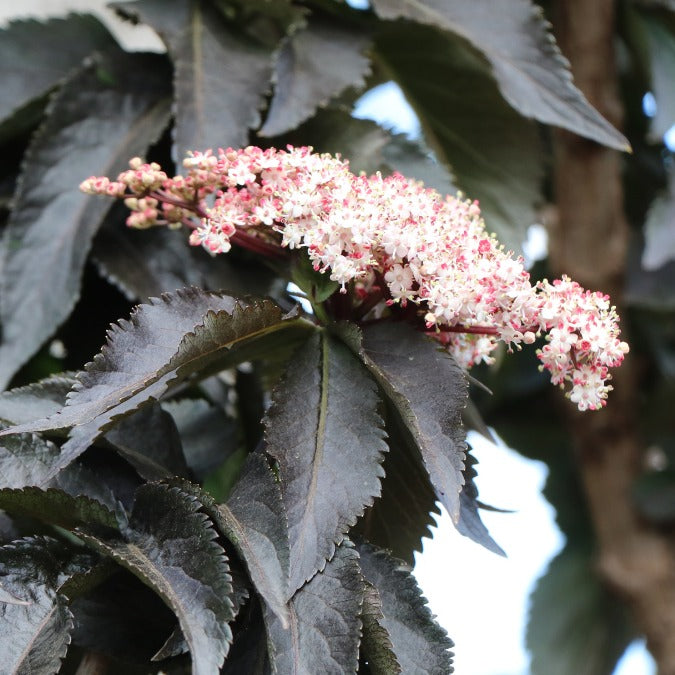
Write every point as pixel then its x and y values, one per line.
pixel 390 241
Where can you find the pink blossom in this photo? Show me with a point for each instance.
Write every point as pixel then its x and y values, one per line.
pixel 388 236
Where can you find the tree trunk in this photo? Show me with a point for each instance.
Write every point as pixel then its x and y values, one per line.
pixel 589 243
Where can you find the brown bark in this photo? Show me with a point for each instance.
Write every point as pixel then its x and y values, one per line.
pixel 589 243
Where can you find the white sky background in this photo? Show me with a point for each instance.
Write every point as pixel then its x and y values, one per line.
pixel 480 598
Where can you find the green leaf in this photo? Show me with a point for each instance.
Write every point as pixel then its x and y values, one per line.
pixel 428 390
pixel 56 507
pixel 323 429
pixel 164 342
pixel 325 624
pixel 576 624
pixel 493 152
pixel 171 548
pixel 532 74
pixel 402 516
pixel 470 523
pixel 147 263
pixel 220 80
pixel 35 631
pixel 317 286
pixel 37 56
pixel 253 519
pixel 376 643
pixel 314 64
pixel 419 643
pixel 92 127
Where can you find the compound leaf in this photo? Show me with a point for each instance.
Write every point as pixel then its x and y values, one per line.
pixel 376 645
pixel 148 439
pixel 402 516
pixel 57 507
pixel 26 459
pixel 37 400
pixel 253 519
pixel 164 342
pixel 35 629
pixel 37 56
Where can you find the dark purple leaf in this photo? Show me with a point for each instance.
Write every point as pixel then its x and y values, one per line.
pixel 323 428
pixel 429 391
pixel 314 64
pixel 220 77
pixel 170 546
pixel 533 75
pixel 418 642
pixel 107 112
pixel 325 626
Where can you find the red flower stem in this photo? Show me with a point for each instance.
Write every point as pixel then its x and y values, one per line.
pixel 194 207
pixel 257 245
pixel 478 330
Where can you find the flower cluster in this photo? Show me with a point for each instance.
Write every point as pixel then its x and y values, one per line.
pixel 387 238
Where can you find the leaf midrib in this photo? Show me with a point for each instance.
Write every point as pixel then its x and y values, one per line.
pixel 318 448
